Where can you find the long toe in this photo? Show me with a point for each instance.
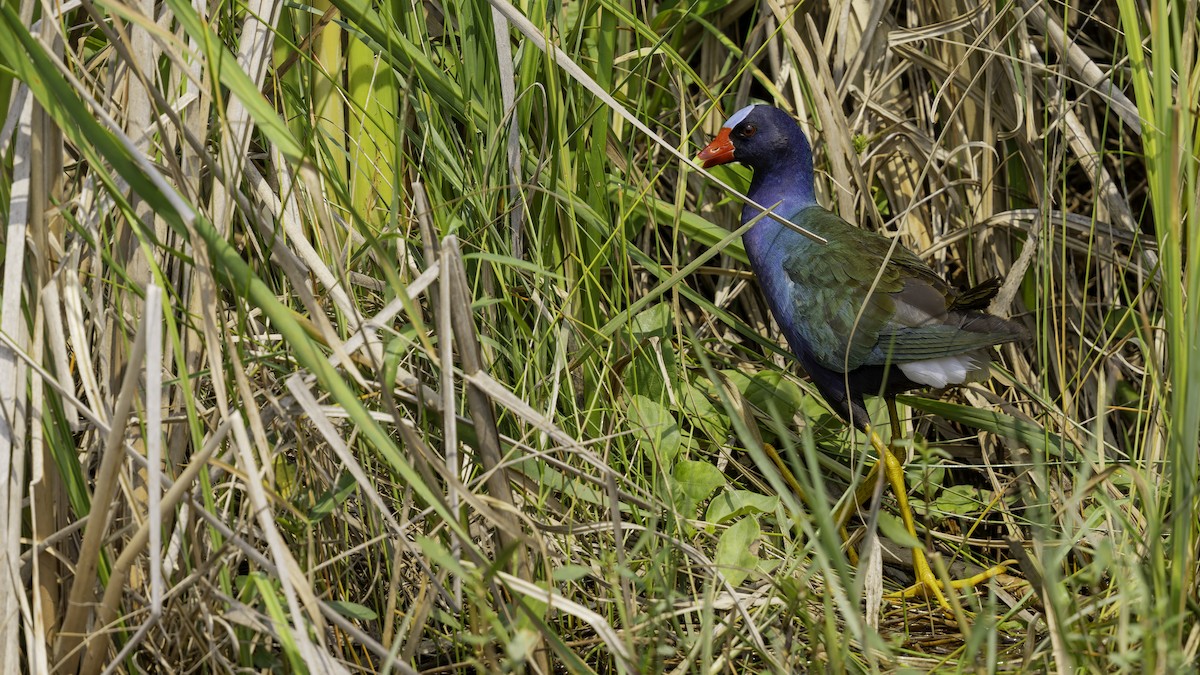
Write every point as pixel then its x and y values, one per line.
pixel 929 586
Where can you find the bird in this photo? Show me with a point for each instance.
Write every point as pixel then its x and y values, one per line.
pixel 863 315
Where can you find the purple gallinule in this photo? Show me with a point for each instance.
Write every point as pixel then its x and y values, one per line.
pixel 863 318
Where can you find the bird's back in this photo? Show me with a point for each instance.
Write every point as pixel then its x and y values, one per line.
pixel 862 300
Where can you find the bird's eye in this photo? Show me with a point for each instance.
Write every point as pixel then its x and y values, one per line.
pixel 748 130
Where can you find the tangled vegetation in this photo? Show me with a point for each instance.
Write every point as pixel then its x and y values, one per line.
pixel 404 336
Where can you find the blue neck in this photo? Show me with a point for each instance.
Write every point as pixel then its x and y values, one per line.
pixel 788 180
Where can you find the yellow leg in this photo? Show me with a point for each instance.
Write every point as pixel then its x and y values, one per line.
pixel 785 473
pixel 861 495
pixel 795 487
pixel 867 487
pixel 893 419
pixel 927 583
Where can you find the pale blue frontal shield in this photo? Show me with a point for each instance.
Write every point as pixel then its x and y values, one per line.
pixel 737 117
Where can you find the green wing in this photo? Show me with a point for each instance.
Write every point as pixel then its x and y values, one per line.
pixel 905 318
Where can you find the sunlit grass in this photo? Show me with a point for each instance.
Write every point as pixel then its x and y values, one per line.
pixel 442 396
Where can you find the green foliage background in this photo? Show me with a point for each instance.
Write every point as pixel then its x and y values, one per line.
pixel 445 357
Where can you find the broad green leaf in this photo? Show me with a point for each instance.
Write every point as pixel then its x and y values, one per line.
pixel 735 557
pixel 440 556
pixel 700 412
pixel 1119 323
pixel 960 500
pixel 653 368
pixel 766 566
pixel 698 479
pixel 353 610
pixel 656 428
pixel 893 528
pixel 768 390
pixel 769 387
pixel 653 322
pixel 918 476
pixel 554 481
pixel 927 471
pixel 535 605
pixel 733 503
pixel 570 573
pixel 285 476
pixel 522 645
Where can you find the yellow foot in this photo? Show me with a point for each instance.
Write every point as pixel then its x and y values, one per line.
pixel 929 586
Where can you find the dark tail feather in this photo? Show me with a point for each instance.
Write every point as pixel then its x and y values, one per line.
pixel 1003 330
pixel 976 298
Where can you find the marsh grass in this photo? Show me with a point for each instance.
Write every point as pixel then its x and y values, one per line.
pixel 462 367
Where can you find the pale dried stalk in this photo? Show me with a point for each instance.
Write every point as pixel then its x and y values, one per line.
pixel 13 431
pixel 84 582
pixel 107 612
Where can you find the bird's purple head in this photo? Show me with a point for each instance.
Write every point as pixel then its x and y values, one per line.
pixel 761 137
pixel 769 141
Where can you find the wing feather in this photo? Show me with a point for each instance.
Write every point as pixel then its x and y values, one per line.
pixel 907 316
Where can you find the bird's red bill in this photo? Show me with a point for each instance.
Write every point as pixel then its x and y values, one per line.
pixel 719 151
